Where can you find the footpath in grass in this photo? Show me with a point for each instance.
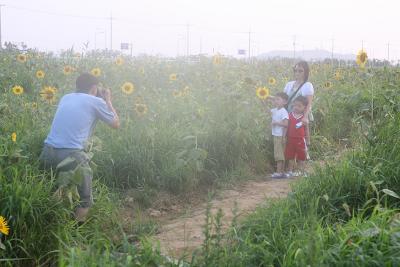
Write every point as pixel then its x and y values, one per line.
pixel 181 236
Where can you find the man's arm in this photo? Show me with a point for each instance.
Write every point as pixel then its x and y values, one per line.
pixel 107 97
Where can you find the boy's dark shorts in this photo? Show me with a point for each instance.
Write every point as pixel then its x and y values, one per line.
pixel 51 157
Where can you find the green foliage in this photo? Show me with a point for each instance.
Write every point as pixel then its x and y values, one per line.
pixel 345 214
pixel 204 128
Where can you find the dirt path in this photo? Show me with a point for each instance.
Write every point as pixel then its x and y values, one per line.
pixel 184 234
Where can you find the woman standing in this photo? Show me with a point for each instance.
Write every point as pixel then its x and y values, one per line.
pixel 301 87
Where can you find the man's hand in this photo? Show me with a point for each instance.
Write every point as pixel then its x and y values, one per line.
pixel 106 95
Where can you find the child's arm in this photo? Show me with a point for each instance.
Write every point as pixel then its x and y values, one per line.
pixel 283 123
pixel 307 134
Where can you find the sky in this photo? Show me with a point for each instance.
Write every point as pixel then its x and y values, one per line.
pixel 162 27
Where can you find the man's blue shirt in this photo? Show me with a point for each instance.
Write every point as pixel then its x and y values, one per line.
pixel 75 119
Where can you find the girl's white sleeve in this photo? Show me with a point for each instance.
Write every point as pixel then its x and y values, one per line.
pixel 308 89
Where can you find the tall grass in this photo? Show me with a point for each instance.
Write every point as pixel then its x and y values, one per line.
pixel 216 131
pixel 345 214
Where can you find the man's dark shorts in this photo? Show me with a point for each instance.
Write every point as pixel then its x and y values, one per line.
pixel 51 157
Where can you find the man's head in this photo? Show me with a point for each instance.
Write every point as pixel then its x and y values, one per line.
pixel 87 83
pixel 280 100
pixel 299 104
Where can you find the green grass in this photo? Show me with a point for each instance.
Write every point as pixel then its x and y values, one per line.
pixel 218 133
pixel 345 214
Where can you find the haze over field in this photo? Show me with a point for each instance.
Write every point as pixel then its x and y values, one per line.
pixel 162 27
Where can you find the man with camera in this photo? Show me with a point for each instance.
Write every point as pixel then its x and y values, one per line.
pixel 73 124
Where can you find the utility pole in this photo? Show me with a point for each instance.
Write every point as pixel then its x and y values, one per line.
pixel 333 44
pixel 249 44
pixel 294 47
pixel 1 42
pixel 111 31
pixel 388 52
pixel 131 49
pixel 201 45
pixel 187 39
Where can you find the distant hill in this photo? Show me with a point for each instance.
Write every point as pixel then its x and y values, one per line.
pixel 317 54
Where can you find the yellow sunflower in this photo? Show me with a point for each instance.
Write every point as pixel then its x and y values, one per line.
pixel 362 58
pixel 271 81
pixel 17 90
pixel 262 92
pixel 328 85
pixel 173 77
pixel 3 226
pixel 176 93
pixel 34 105
pixel 40 74
pixel 141 109
pixel 22 58
pixel 96 72
pixel 186 91
pixel 68 70
pixel 217 59
pixel 14 137
pixel 119 61
pixel 48 93
pixel 338 75
pixel 128 88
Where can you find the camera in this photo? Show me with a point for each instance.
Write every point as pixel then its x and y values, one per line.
pixel 100 91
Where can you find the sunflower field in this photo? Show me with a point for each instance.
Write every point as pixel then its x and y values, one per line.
pixel 185 124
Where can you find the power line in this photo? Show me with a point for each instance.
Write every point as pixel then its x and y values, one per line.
pixel 1 42
pixel 111 31
pixel 51 13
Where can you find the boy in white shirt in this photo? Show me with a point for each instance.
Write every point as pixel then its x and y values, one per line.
pixel 280 121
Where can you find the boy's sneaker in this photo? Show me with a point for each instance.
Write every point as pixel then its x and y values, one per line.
pixel 278 175
pixel 297 174
pixel 289 174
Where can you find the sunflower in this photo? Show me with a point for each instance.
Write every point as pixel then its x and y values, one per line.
pixel 119 61
pixel 176 93
pixel 34 105
pixel 139 100
pixel 338 75
pixel 328 85
pixel 141 109
pixel 186 91
pixel 96 72
pixel 40 74
pixel 3 226
pixel 22 58
pixel 217 59
pixel 271 81
pixel 128 88
pixel 362 58
pixel 14 137
pixel 48 93
pixel 17 90
pixel 173 77
pixel 262 92
pixel 68 70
